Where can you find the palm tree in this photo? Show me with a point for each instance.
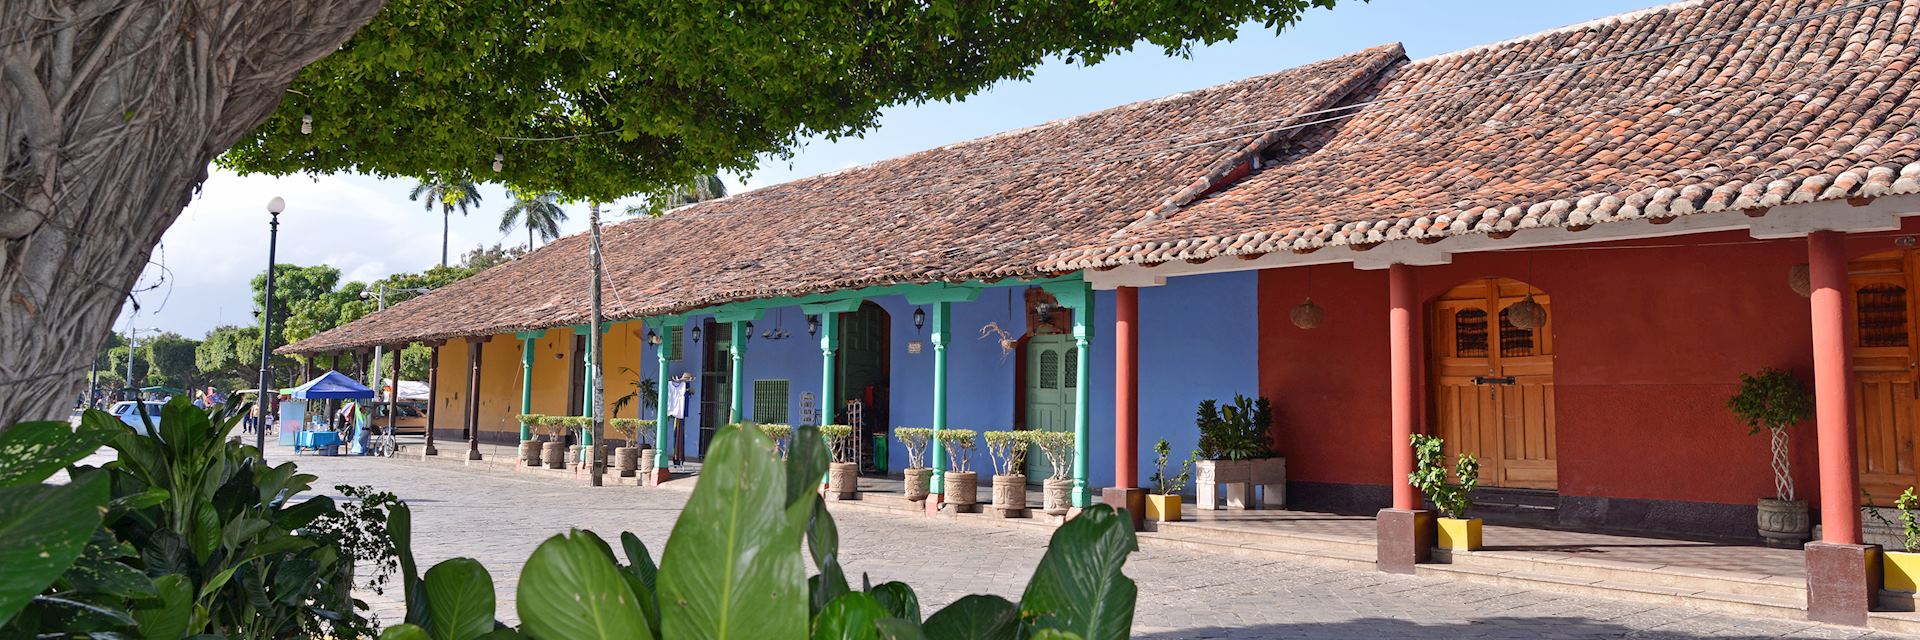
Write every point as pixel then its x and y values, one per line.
pixel 539 212
pixel 449 193
pixel 699 189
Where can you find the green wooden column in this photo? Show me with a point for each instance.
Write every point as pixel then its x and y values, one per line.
pixel 586 397
pixel 526 380
pixel 942 332
pixel 1078 295
pixel 829 343
pixel 663 353
pixel 736 375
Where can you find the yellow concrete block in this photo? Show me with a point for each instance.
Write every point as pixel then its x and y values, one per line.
pixel 1459 535
pixel 1900 570
pixel 1163 508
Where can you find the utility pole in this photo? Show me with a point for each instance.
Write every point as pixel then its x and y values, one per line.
pixel 593 347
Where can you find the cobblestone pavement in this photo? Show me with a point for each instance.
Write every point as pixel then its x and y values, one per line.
pixel 499 517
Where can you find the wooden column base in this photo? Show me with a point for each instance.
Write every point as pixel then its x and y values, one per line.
pixel 1133 499
pixel 1405 538
pixel 1843 580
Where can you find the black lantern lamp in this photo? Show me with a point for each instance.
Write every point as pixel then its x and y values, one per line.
pixel 696 335
pixel 749 330
pixel 813 325
pixel 653 338
pixel 919 319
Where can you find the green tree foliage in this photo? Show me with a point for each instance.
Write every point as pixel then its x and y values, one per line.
pixel 482 258
pixel 599 101
pixel 170 358
pixel 450 192
pixel 230 357
pixel 292 285
pixel 539 213
pixel 117 363
pixel 699 189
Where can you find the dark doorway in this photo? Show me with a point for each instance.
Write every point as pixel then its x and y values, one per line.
pixel 716 374
pixel 862 370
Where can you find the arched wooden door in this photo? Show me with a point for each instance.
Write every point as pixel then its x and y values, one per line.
pixel 1881 310
pixel 1492 391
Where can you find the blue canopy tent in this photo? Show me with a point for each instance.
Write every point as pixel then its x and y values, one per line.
pixel 332 385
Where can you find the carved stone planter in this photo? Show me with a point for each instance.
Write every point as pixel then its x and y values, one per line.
pixel 1010 495
pixel 573 455
pixel 554 454
pixel 646 462
pixel 530 453
pixel 1241 478
pixel 627 461
pixel 843 481
pixel 1058 496
pixel 917 481
pixel 1784 524
pixel 961 487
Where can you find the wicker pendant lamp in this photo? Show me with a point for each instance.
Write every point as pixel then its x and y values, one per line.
pixel 1307 315
pixel 1527 314
pixel 1800 280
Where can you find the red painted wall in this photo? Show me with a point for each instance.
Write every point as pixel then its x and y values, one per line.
pixel 1650 337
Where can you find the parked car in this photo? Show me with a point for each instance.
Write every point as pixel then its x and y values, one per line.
pixel 127 413
pixel 410 419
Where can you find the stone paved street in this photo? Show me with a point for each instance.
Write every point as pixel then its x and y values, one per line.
pixel 499 517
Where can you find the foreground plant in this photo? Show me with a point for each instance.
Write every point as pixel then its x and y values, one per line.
pixel 733 568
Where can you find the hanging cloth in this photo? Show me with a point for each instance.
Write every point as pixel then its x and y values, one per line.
pixel 677 398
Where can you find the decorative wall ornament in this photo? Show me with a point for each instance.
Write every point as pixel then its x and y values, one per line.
pixel 1800 280
pixel 1307 315
pixel 1527 314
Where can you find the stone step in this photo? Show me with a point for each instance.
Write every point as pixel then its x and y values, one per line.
pixel 1738 603
pixel 1333 558
pixel 1906 622
pixel 1238 535
pixel 1668 577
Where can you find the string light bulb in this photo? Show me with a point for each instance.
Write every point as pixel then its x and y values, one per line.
pixel 499 159
pixel 306 122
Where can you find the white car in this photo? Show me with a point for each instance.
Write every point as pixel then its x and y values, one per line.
pixel 127 413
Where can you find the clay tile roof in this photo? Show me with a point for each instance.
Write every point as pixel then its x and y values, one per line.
pixel 990 208
pixel 1821 108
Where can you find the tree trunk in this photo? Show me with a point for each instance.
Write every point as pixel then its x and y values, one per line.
pixel 112 112
pixel 446 229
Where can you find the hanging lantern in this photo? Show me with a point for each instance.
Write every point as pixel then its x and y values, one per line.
pixel 1527 314
pixel 749 329
pixel 813 325
pixel 1800 280
pixel 1307 315
pixel 499 159
pixel 696 335
pixel 919 319
pixel 306 122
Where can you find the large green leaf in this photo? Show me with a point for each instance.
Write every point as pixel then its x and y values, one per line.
pixel 898 629
pixel 807 458
pixel 33 451
pixel 823 540
pixel 732 568
pixel 571 590
pixel 639 561
pixel 459 600
pixel 43 528
pixel 849 617
pixel 899 600
pixel 405 632
pixel 400 528
pixel 975 617
pixel 1078 586
pixel 167 616
pixel 1054 634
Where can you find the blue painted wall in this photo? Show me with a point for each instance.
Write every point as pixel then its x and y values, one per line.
pixel 1197 342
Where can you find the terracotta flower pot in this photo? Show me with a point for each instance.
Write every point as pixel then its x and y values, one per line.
pixel 627 460
pixel 554 454
pixel 917 481
pixel 843 481
pixel 961 487
pixel 1010 495
pixel 530 453
pixel 1784 524
pixel 1059 496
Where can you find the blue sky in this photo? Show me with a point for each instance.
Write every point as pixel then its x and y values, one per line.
pixel 367 228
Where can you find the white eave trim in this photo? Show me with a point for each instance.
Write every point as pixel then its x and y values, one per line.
pixel 1780 222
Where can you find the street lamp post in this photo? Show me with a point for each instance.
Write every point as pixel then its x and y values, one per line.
pixel 274 207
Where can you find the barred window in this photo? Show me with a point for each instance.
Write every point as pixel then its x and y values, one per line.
pixel 1073 369
pixel 1881 310
pixel 1470 333
pixel 1515 342
pixel 1049 369
pixel 770 401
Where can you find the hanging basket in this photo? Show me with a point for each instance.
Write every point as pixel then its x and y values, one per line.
pixel 1800 280
pixel 1307 315
pixel 1527 314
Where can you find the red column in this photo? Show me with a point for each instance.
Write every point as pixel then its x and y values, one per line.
pixel 1126 387
pixel 1403 351
pixel 1832 384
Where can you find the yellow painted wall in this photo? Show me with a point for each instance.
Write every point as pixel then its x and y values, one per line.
pixel 552 373
pixel 500 385
pixel 450 397
pixel 621 349
pixel 554 357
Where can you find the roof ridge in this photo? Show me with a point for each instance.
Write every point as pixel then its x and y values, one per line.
pixel 1629 16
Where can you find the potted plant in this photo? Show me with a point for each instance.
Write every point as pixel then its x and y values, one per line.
pixel 842 473
pixel 628 459
pixel 1235 450
pixel 1457 531
pixel 960 480
pixel 779 433
pixel 530 448
pixel 1008 452
pixel 917 477
pixel 1900 570
pixel 553 452
pixel 1163 504
pixel 1057 490
pixel 1775 400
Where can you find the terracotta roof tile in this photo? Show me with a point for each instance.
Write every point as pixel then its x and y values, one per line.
pixel 990 208
pixel 1819 109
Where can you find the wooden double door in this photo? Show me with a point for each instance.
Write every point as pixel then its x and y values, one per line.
pixel 1880 312
pixel 1053 387
pixel 1492 383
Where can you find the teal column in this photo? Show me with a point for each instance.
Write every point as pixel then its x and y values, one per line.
pixel 663 352
pixel 737 353
pixel 829 343
pixel 1083 400
pixel 942 332
pixel 526 387
pixel 586 404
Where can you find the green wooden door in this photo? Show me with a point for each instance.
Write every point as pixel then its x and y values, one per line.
pixel 1051 382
